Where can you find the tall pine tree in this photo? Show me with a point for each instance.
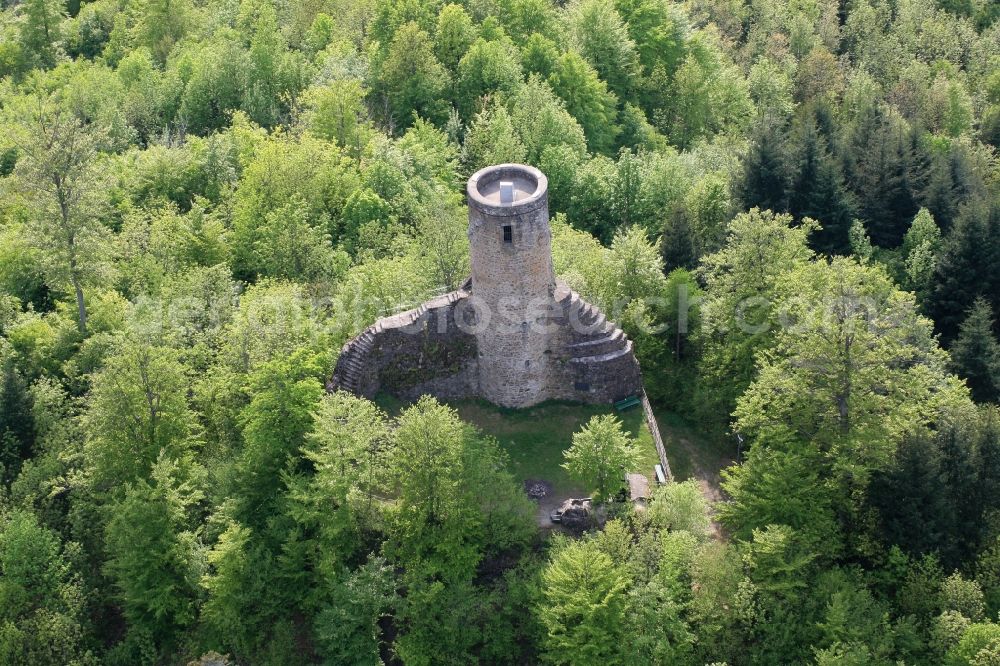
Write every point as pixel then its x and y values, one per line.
pixel 881 178
pixel 765 171
pixel 976 353
pixel 968 267
pixel 818 191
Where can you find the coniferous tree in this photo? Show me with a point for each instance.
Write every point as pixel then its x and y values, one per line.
pixel 818 192
pixel 969 266
pixel 939 193
pixel 936 494
pixel 975 353
pixel 911 510
pixel 965 506
pixel 765 171
pixel 16 432
pixel 677 242
pixel 881 178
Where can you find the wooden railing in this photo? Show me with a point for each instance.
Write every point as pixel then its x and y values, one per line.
pixel 654 430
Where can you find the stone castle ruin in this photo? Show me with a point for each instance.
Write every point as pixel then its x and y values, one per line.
pixel 513 334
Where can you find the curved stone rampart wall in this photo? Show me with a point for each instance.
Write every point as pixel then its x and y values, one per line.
pixel 421 351
pixel 433 350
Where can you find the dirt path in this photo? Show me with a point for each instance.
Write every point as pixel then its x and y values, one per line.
pixel 706 468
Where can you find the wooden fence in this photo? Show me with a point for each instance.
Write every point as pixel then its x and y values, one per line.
pixel 654 430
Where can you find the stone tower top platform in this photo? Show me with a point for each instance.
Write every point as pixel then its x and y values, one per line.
pixel 505 190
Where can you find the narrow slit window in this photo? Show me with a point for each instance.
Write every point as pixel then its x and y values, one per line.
pixel 508 234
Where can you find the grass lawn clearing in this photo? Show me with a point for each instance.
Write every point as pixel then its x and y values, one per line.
pixel 535 438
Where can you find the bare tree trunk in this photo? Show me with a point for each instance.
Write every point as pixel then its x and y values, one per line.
pixel 74 273
pixel 81 307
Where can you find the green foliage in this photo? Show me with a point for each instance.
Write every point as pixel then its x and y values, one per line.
pixel 234 586
pixel 587 99
pixel 43 619
pixel 200 202
pixel 834 381
pixel 443 467
pixel 16 433
pixel 284 210
pixel 348 628
pixel 542 122
pixel 975 354
pixel 137 411
pixel 338 114
pixel 602 38
pixel 348 447
pixel 710 96
pixel 964 269
pixel 213 84
pixel 412 77
pixel 492 67
pixel 285 392
pixel 457 506
pixel 774 486
pixel 455 34
pixel 977 647
pixel 162 24
pixel 57 174
pixel 583 606
pixel 600 456
pixel 681 506
pixel 152 555
pixel 41 33
pixel 491 139
pixel 740 280
pixel 818 192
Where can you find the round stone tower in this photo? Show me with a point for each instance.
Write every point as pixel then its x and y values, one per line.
pixel 513 282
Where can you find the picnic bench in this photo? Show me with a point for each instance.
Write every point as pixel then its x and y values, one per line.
pixel 631 401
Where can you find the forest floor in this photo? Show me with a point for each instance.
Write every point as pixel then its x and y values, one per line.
pixel 695 454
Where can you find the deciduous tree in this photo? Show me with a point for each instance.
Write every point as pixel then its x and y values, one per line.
pixel 600 456
pixel 583 606
pixel 58 172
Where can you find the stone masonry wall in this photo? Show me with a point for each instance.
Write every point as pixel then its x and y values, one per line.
pixel 511 279
pixel 513 335
pixel 421 351
pixel 433 350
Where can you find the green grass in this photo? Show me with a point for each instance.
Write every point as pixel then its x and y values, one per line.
pixel 690 448
pixel 535 438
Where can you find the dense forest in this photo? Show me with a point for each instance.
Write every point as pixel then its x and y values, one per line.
pixel 793 208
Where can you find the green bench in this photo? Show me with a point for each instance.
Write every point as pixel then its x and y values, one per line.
pixel 622 405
